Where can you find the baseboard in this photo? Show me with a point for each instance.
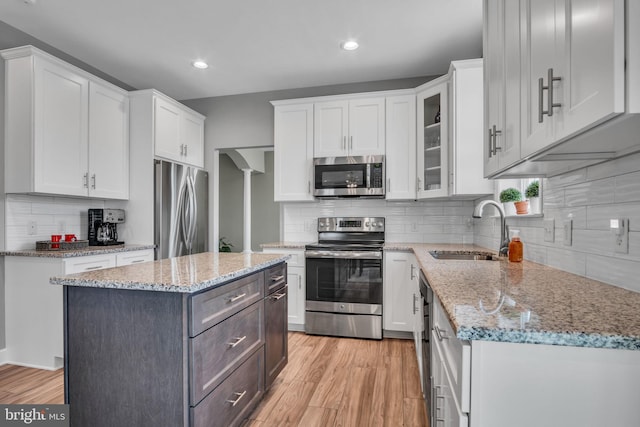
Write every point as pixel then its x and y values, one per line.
pixel 3 356
pixel 30 365
pixel 397 334
pixel 295 327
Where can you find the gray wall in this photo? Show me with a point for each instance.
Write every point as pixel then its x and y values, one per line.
pixel 242 121
pixel 265 213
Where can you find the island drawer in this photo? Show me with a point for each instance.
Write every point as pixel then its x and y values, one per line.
pixel 456 355
pixel 211 307
pixel 228 404
pixel 220 349
pixel 275 278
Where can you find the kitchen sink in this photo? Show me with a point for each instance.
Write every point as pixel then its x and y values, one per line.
pixel 464 255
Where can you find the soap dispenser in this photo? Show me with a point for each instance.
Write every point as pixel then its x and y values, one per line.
pixel 515 247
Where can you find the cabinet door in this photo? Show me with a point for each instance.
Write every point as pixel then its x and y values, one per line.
pixel 399 304
pixel 330 129
pixel 61 123
pixel 276 338
pixel 296 296
pixel 432 145
pixel 502 84
pixel 366 127
pixel 108 143
pixel 192 139
pixel 401 139
pixel 293 152
pixel 542 48
pixel 167 130
pixel 593 83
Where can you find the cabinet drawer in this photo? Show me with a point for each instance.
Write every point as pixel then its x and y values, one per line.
pixel 456 356
pixel 296 257
pixel 220 349
pixel 89 263
pixel 228 404
pixel 275 278
pixel 134 257
pixel 212 307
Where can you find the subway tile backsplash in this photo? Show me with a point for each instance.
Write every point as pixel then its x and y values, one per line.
pixel 442 221
pixel 52 215
pixel 590 197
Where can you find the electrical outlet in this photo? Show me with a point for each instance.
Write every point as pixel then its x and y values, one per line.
pixel 32 228
pixel 620 229
pixel 568 231
pixel 549 230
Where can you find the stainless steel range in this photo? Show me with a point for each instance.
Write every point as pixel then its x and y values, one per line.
pixel 344 278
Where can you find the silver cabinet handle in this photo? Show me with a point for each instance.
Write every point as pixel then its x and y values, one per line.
pixel 299 281
pixel 414 304
pixel 442 335
pixel 93 181
pixel 351 143
pixel 439 408
pixel 181 149
pixel 97 267
pixel 413 275
pixel 419 183
pixel 344 143
pixel 86 180
pixel 277 278
pixel 240 396
pixel 549 88
pixel 276 297
pixel 237 297
pixel 490 142
pixel 186 147
pixel 389 185
pixel 137 261
pixel 309 186
pixel 237 341
pixel 496 132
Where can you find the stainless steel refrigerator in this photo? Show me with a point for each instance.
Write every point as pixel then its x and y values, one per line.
pixel 181 209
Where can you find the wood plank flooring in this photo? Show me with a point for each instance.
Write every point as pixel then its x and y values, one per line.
pixel 334 382
pixel 328 382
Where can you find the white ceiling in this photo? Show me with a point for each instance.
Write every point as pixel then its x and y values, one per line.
pixel 253 45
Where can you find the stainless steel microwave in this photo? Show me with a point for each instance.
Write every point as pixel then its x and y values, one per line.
pixel 358 176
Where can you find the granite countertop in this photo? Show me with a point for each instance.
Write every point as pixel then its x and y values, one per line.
pixel 186 274
pixel 89 250
pixel 529 303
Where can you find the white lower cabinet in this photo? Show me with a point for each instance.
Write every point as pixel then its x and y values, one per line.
pixel 34 327
pixel 400 288
pixel 296 280
pixel 501 384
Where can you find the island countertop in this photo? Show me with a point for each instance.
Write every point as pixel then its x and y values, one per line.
pixel 186 274
pixel 528 302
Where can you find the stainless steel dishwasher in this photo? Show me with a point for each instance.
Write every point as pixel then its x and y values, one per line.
pixel 427 301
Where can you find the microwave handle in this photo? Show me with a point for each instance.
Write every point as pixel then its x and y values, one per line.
pixel 368 175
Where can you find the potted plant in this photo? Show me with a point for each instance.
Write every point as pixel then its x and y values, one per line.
pixel 508 197
pixel 533 194
pixel 224 245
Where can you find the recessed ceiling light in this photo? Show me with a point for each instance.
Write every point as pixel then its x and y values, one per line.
pixel 200 64
pixel 350 45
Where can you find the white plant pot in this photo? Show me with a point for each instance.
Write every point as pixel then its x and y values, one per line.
pixel 535 206
pixel 509 208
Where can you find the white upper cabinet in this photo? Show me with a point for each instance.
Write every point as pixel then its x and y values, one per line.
pixel 108 142
pixel 178 131
pixel 573 68
pixel 400 159
pixel 501 84
pixel 349 127
pixel 466 105
pixel 293 152
pixel 579 94
pixel 433 137
pixel 66 130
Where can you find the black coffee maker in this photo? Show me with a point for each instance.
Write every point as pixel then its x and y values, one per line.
pixel 103 229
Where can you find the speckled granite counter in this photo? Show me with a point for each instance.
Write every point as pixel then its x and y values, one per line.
pixel 528 302
pixel 185 274
pixel 89 250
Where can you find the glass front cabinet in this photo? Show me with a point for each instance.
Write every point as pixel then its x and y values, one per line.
pixel 432 138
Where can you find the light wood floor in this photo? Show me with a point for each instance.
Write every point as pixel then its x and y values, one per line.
pixel 327 382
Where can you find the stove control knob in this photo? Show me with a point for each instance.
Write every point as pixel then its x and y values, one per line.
pixel 366 224
pixel 380 224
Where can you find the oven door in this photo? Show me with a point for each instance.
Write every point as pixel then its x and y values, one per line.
pixel 344 281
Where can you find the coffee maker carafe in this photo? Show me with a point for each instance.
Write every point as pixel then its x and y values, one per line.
pixel 103 229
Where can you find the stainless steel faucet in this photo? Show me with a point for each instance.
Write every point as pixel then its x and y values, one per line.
pixel 504 228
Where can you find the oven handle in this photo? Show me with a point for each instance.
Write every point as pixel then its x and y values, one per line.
pixel 344 254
